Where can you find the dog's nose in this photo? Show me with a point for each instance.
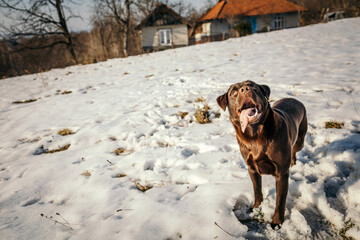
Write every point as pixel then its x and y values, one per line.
pixel 244 89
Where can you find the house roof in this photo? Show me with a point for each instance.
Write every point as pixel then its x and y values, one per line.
pixel 162 15
pixel 228 8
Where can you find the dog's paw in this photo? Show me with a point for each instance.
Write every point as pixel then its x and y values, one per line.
pixel 252 209
pixel 275 226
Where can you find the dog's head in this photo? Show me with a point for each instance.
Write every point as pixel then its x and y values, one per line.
pixel 247 102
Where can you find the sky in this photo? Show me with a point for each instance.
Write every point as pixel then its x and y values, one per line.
pixel 85 9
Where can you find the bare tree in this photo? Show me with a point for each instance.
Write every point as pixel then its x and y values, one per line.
pixel 120 12
pixel 104 27
pixel 145 7
pixel 178 6
pixel 35 18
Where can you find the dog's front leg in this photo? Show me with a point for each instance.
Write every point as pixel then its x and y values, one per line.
pixel 282 184
pixel 256 180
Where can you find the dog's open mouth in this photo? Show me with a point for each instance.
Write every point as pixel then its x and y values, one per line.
pixel 248 113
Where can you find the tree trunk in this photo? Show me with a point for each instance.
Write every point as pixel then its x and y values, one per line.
pixel 127 28
pixel 65 29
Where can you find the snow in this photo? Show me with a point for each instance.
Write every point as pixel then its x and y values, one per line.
pixel 196 172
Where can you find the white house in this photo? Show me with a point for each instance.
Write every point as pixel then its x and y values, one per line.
pixel 163 28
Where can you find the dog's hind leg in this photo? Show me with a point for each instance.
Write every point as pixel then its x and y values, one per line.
pixel 299 144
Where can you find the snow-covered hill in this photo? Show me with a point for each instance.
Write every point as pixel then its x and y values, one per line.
pixel 138 107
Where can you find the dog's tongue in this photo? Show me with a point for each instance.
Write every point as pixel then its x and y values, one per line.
pixel 244 120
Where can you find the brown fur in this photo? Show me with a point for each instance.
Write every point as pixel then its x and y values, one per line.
pixel 268 144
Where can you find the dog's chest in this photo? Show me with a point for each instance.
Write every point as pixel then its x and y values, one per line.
pixel 260 163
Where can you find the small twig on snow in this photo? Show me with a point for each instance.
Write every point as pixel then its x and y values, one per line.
pixel 224 230
pixel 67 225
pixel 123 209
pixel 65 220
pixel 355 105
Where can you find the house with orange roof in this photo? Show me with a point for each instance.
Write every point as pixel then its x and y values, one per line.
pixel 258 15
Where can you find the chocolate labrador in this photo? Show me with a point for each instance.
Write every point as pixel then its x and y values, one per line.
pixel 269 137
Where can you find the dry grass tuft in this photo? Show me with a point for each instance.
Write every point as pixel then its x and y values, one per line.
pixel 65 131
pixel 182 114
pixel 164 144
pixel 120 175
pixel 149 76
pixel 200 99
pixel 86 173
pixel 142 188
pixel 331 124
pixel 59 149
pixel 202 115
pixel 25 101
pixel 348 225
pixel 66 92
pixel 27 140
pixel 120 151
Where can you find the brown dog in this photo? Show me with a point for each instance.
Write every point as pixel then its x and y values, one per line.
pixel 268 137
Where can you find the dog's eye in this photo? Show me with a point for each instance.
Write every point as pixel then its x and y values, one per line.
pixel 234 93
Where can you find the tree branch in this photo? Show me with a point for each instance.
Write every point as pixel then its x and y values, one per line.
pixel 42 16
pixel 34 18
pixel 25 47
pixel 37 34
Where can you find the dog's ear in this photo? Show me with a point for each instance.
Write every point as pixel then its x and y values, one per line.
pixel 265 90
pixel 222 101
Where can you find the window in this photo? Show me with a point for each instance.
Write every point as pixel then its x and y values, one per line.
pixel 279 22
pixel 165 36
pixel 206 29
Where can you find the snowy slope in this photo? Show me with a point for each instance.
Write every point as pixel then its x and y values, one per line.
pixel 196 172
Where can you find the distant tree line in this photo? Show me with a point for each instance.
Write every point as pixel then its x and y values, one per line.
pixel 40 38
pixel 317 9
